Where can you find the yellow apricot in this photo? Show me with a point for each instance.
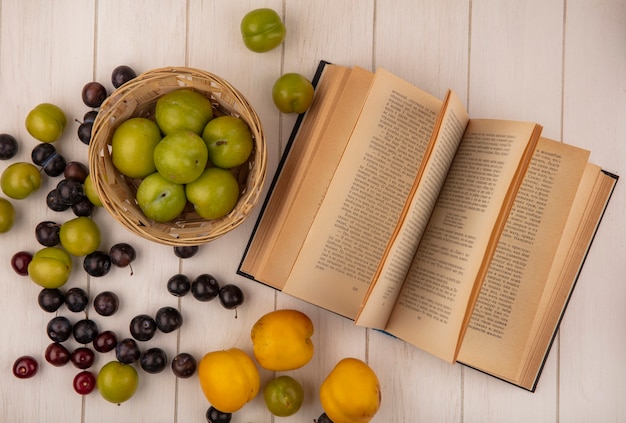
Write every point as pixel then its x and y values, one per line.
pixel 351 392
pixel 228 378
pixel 282 340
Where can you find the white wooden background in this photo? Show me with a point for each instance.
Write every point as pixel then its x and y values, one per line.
pixel 560 63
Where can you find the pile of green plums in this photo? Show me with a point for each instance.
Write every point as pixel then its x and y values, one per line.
pixel 185 154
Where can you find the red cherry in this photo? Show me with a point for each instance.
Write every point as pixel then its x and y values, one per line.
pixel 20 261
pixel 82 357
pixel 84 382
pixel 25 367
pixel 105 341
pixel 57 355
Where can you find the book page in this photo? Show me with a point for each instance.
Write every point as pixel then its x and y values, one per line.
pixel 306 174
pixel 441 284
pixel 589 205
pixel 384 290
pixel 366 196
pixel 516 280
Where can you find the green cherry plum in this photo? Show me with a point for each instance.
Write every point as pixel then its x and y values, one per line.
pixel 292 93
pixel 7 215
pixel 283 396
pixel 132 147
pixel 262 30
pixel 214 194
pixel 229 141
pixel 159 199
pixel 50 267
pixel 181 156
pixel 80 236
pixel 46 122
pixel 91 193
pixel 117 382
pixel 20 179
pixel 183 109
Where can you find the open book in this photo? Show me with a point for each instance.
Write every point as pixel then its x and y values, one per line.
pixel 463 237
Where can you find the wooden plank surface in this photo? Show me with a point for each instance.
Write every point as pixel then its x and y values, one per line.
pixel 562 64
pixel 593 339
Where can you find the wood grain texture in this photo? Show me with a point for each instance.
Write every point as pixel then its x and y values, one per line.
pixel 562 64
pixel 593 340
